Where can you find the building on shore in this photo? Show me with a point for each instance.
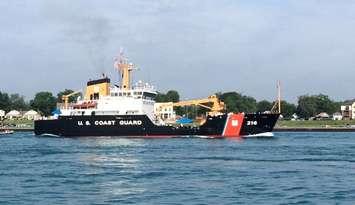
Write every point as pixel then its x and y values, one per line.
pixel 322 116
pixel 337 116
pixel 2 114
pixel 13 114
pixel 165 111
pixel 348 111
pixel 31 115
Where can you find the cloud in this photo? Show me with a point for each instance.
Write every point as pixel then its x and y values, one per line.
pixel 196 47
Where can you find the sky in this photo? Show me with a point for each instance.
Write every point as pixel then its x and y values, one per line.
pixel 195 47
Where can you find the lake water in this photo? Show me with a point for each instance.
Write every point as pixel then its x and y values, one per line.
pixel 290 168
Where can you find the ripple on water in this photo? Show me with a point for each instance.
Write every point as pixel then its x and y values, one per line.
pixel 291 168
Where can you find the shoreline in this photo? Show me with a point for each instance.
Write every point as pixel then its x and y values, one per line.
pixel 314 129
pixel 16 129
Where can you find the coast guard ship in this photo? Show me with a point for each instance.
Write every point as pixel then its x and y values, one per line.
pixel 131 111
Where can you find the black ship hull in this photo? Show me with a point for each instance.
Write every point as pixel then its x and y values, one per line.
pixel 231 125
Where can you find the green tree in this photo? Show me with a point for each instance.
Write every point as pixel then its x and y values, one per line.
pixel 307 106
pixel 44 102
pixel 67 92
pixel 263 106
pixel 288 109
pixel 17 102
pixel 235 102
pixel 311 105
pixel 5 102
pixel 325 104
pixel 160 97
pixel 172 96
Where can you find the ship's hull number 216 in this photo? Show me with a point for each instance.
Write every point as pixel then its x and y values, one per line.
pixel 251 123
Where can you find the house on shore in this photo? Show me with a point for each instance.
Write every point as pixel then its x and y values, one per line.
pixel 165 111
pixel 2 114
pixel 337 116
pixel 322 116
pixel 13 114
pixel 348 111
pixel 31 115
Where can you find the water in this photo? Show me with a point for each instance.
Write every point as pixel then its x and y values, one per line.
pixel 291 168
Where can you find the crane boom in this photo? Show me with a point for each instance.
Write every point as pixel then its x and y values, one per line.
pixel 216 105
pixel 65 98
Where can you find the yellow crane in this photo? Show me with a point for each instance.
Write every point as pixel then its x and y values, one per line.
pixel 65 98
pixel 212 103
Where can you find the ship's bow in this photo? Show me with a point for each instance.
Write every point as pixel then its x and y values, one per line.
pixel 258 123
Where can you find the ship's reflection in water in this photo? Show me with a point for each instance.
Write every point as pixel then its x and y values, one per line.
pixel 113 163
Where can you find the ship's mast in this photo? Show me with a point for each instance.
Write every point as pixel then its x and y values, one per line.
pixel 276 108
pixel 125 68
pixel 279 95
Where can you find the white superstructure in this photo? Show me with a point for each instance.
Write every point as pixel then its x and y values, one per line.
pixel 103 99
pixel 136 101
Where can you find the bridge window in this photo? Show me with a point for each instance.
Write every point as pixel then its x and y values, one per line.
pixel 149 96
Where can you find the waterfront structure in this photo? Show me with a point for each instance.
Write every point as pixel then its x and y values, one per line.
pixel 31 115
pixel 322 115
pixel 348 111
pixel 165 111
pixel 2 114
pixel 294 117
pixel 337 116
pixel 13 114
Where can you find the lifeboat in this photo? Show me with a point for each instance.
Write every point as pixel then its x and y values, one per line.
pixel 85 105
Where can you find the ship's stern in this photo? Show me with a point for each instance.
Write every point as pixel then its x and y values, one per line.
pixel 52 127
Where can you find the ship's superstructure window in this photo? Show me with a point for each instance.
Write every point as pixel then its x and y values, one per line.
pixel 95 96
pixel 149 96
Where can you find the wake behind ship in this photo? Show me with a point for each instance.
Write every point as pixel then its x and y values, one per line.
pixel 131 111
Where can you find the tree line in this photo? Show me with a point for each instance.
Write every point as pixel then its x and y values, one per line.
pixel 307 105
pixel 43 102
